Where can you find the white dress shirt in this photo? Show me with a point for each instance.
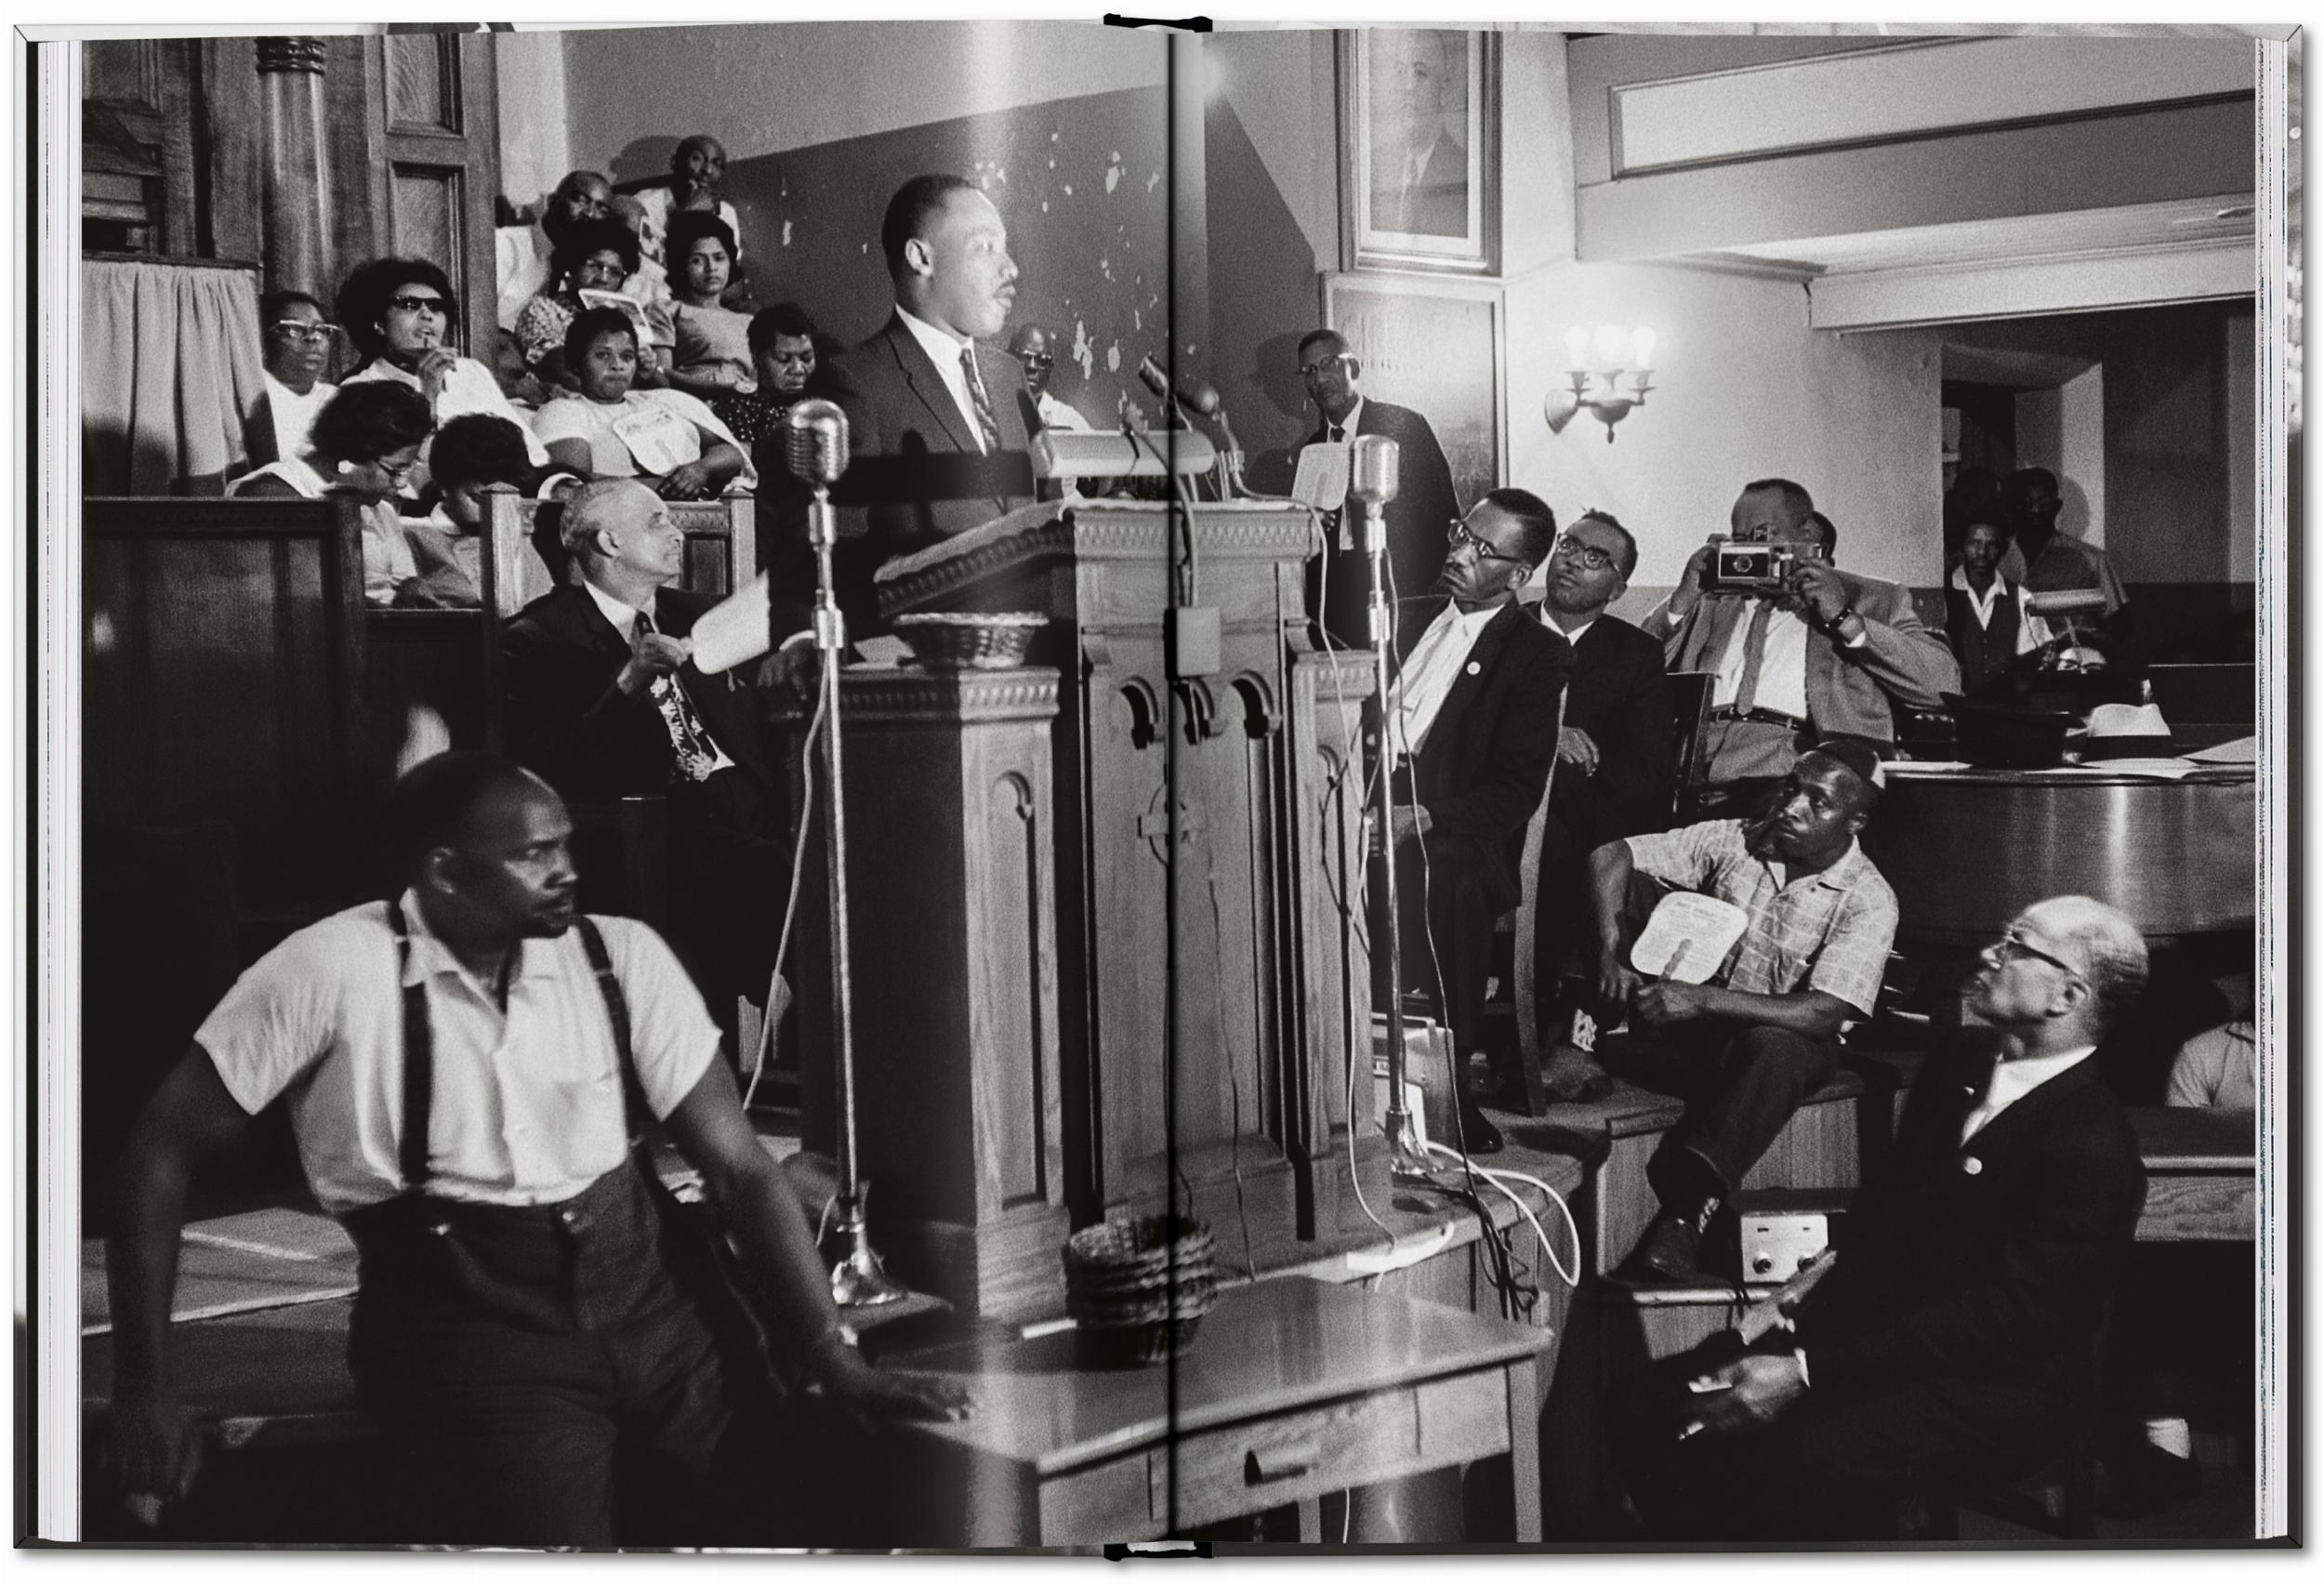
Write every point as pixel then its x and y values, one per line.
pixel 1430 670
pixel 1572 638
pixel 2013 1081
pixel 625 620
pixel 294 415
pixel 2032 631
pixel 1782 666
pixel 943 349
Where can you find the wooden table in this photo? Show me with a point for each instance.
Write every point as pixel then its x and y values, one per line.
pixel 2200 1165
pixel 1291 1387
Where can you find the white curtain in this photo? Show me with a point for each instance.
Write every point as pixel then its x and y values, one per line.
pixel 169 365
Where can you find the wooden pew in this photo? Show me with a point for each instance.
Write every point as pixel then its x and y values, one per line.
pixel 722 545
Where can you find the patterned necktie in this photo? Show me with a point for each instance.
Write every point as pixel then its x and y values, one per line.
pixel 1754 652
pixel 1331 519
pixel 986 425
pixel 695 756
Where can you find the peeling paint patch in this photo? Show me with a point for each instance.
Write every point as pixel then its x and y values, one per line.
pixel 1113 358
pixel 1045 205
pixel 1083 353
pixel 1067 189
pixel 1137 319
pixel 1113 171
pixel 786 234
pixel 1153 181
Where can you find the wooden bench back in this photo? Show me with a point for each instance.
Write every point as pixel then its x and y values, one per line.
pixel 722 545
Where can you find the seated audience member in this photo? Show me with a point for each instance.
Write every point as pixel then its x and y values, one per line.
pixel 1033 346
pixel 1954 1341
pixel 783 352
pixel 1987 618
pixel 527 1336
pixel 650 286
pixel 1826 655
pixel 1763 1032
pixel 399 313
pixel 469 454
pixel 713 343
pixel 366 443
pixel 1613 760
pixel 603 704
pixel 2218 1068
pixel 524 251
pixel 697 170
pixel 2043 558
pixel 596 256
pixel 664 438
pixel 297 350
pixel 1472 722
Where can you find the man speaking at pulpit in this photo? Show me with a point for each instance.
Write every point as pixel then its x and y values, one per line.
pixel 925 401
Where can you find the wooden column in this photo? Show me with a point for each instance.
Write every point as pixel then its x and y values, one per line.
pixel 952 896
pixel 296 160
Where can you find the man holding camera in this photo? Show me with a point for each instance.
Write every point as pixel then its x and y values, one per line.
pixel 1800 651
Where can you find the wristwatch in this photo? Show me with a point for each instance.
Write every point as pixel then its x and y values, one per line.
pixel 1837 627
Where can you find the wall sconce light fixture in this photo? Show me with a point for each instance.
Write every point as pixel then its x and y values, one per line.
pixel 1611 371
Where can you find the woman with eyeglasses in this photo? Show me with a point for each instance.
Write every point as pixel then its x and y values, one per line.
pixel 588 266
pixel 296 350
pixel 400 314
pixel 365 443
pixel 665 438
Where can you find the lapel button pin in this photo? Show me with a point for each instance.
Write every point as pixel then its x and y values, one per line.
pixel 1972 1165
pixel 1474 668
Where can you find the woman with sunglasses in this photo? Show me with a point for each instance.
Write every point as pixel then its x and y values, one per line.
pixel 364 443
pixel 400 314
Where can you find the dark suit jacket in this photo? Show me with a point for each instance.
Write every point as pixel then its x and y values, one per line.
pixel 1437 204
pixel 569 723
pixel 910 447
pixel 1418 519
pixel 1486 757
pixel 1993 1273
pixel 1620 695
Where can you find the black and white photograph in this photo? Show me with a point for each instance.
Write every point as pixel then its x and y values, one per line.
pixel 1061 786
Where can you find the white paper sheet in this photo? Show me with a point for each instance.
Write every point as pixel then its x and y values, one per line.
pixel 732 631
pixel 1687 937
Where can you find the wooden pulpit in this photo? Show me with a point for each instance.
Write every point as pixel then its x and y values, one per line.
pixel 1014 1069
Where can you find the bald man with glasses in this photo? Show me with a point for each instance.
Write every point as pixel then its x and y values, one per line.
pixel 1956 1338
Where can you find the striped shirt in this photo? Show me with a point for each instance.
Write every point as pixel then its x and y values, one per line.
pixel 1829 930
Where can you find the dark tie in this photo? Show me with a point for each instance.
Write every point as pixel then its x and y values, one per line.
pixel 977 398
pixel 693 752
pixel 1338 434
pixel 1331 519
pixel 1754 652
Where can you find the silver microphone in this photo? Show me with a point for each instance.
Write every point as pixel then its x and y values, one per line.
pixel 1372 469
pixel 1199 399
pixel 814 441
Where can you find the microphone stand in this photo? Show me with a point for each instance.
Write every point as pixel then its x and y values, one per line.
pixel 858 1279
pixel 1406 1162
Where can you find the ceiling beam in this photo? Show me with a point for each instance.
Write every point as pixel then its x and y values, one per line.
pixel 1888 299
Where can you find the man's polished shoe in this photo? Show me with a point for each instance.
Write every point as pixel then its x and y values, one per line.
pixel 1571 1077
pixel 1672 1249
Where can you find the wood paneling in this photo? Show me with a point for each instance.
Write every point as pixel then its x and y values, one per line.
pixel 427 212
pixel 423 82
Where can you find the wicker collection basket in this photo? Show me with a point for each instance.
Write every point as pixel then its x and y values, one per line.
pixel 1136 1294
pixel 969 641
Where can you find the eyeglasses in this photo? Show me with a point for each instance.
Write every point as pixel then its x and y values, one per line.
pixel 1321 366
pixel 2015 945
pixel 396 469
pixel 418 304
pixel 1592 557
pixel 303 330
pixel 1456 534
pixel 1036 360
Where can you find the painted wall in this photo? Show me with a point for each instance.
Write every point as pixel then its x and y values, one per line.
pixel 764 88
pixel 536 146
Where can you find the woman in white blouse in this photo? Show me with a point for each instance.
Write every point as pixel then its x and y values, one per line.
pixel 668 438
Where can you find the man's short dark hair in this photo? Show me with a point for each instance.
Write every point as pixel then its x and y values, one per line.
pixel 689 226
pixel 586 326
pixel 364 299
pixel 588 237
pixel 1863 760
pixel 2042 476
pixel 783 319
pixel 1533 515
pixel 909 211
pixel 1629 562
pixel 1316 339
pixel 1827 536
pixel 476 449
pixel 371 418
pixel 430 804
pixel 1796 500
pixel 272 306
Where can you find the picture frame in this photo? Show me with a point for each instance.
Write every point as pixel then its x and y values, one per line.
pixel 1419 120
pixel 1421 341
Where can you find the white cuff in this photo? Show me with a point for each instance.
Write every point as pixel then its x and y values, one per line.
pixel 1798 1356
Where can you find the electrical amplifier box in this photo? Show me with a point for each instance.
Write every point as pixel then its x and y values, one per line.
pixel 1426 1076
pixel 1778 1229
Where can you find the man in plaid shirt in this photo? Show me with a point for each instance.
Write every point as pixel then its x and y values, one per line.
pixel 1763 1034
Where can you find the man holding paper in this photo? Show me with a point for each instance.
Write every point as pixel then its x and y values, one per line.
pixel 1756 1029
pixel 605 701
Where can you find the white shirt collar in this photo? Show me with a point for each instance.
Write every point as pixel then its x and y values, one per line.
pixel 1573 636
pixel 1981 603
pixel 1348 430
pixel 2013 1081
pixel 943 349
pixel 624 617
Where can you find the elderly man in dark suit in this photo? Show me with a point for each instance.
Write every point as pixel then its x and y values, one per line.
pixel 1338 582
pixel 935 419
pixel 1956 1337
pixel 1471 731
pixel 1614 758
pixel 1826 655
pixel 603 703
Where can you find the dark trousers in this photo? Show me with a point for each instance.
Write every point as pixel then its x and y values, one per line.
pixel 1741 1083
pixel 542 1381
pixel 1831 1467
pixel 730 871
pixel 1445 915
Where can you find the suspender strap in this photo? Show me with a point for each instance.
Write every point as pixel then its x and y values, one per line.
pixel 419 1061
pixel 634 1110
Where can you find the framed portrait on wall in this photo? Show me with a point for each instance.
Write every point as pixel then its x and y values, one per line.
pixel 1434 346
pixel 1419 114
